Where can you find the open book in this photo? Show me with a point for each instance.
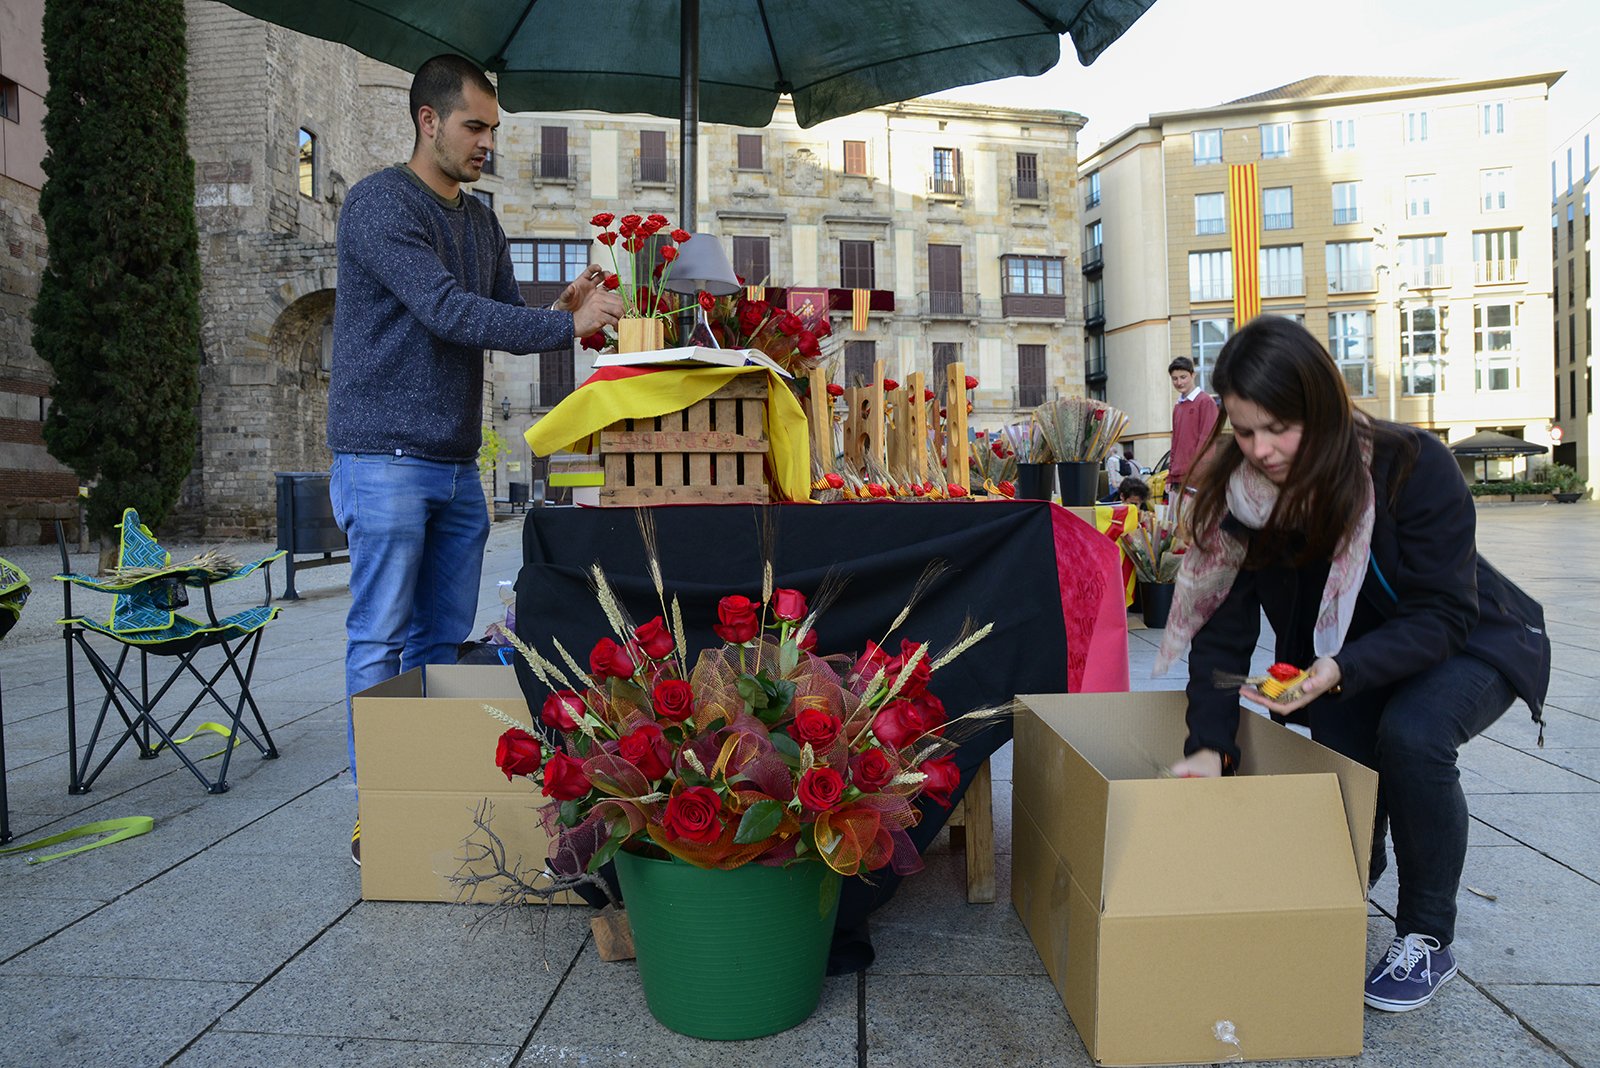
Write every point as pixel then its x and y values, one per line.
pixel 691 355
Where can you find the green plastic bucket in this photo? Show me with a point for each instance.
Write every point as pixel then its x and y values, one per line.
pixel 729 954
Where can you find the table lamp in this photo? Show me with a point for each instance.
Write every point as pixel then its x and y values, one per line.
pixel 701 264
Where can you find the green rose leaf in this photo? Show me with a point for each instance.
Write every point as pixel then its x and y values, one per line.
pixel 758 822
pixel 619 834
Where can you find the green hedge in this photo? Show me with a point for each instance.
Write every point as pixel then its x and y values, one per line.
pixel 1515 488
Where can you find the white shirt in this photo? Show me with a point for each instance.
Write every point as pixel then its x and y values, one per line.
pixel 1191 395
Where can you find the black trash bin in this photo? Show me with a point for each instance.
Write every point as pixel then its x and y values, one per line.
pixel 306 525
pixel 517 495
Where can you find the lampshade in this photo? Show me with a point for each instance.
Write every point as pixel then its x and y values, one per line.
pixel 701 264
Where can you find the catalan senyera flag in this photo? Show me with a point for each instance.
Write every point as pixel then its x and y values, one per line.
pixel 860 301
pixel 755 292
pixel 1244 233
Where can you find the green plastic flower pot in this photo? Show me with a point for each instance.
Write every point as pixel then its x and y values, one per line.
pixel 729 954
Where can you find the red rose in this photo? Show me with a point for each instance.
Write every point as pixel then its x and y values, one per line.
pixel 564 779
pixel 632 243
pixel 607 239
pixel 674 699
pixel 918 680
pixel 942 779
pixel 958 490
pixel 602 220
pixel 749 318
pixel 1283 672
pixel 872 770
pixel 834 480
pixel 645 747
pixel 561 711
pixel 707 301
pixel 896 724
pixel 820 788
pixel 654 638
pixel 877 489
pixel 788 604
pixel 816 725
pixel 609 658
pixel 927 395
pixel 809 642
pixel 692 815
pixel 972 383
pixel 808 345
pixel 998 448
pixel 668 254
pixel 889 383
pixel 930 712
pixel 517 753
pixel 630 222
pixel 835 389
pixel 611 281
pixel 739 619
pixel 595 341
pixel 662 305
pixel 823 328
pixel 680 236
pixel 789 323
pixel 871 661
pixel 657 218
pixel 1007 488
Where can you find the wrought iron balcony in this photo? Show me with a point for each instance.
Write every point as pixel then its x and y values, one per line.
pixel 937 304
pixel 1034 189
pixel 1094 314
pixel 1093 258
pixel 561 169
pixel 654 170
pixel 945 188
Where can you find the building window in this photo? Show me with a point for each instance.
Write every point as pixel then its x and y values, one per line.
pixel 1492 118
pixel 653 157
pixel 944 279
pixel 1423 260
pixel 1274 140
pixel 1350 342
pixel 553 162
pixel 750 152
pixel 1349 266
pixel 1211 275
pixel 484 197
pixel 1027 176
pixel 488 162
pixel 1206 337
pixel 1031 375
pixel 855 158
pixel 1416 126
pixel 1346 202
pixel 1494 256
pixel 548 261
pixel 9 103
pixel 945 353
pixel 856 265
pixel 308 163
pixel 1420 195
pixel 860 362
pixel 1422 349
pixel 1570 239
pixel 1091 199
pixel 1210 213
pixel 1495 188
pixel 1093 238
pixel 946 171
pixel 1494 346
pixel 1283 271
pixel 556 377
pixel 1207 146
pixel 752 259
pixel 1033 276
pixel 1277 208
pixel 1342 133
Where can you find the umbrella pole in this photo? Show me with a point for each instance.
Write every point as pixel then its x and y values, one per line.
pixel 689 117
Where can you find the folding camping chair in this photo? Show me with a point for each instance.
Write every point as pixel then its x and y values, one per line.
pixel 149 589
pixel 13 595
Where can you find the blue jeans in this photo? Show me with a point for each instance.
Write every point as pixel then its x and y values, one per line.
pixel 417 529
pixel 1410 733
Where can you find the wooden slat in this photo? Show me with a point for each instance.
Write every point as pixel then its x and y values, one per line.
pixel 819 416
pixel 679 441
pixel 955 418
pixel 875 421
pixel 978 811
pixel 698 421
pixel 916 385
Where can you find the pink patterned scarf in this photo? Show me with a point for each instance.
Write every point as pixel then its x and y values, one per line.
pixel 1207 574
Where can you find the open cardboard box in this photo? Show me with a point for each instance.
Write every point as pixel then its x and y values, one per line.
pixel 1169 911
pixel 425 753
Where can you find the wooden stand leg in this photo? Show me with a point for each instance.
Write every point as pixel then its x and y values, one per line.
pixel 613 938
pixel 978 824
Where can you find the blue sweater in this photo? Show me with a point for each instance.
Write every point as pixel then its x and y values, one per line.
pixel 424 288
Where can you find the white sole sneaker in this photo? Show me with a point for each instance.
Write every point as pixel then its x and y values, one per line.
pixel 1385 1005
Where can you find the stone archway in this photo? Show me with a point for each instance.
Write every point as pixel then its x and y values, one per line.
pixel 301 343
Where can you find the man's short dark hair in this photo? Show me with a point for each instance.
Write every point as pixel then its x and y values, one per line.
pixel 1180 363
pixel 1133 487
pixel 439 84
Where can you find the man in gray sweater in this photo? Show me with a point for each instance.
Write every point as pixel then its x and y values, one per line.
pixel 425 286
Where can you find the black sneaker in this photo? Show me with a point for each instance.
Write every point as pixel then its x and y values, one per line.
pixel 355 844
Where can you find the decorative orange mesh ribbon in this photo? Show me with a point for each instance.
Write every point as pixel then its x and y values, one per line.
pixel 860 300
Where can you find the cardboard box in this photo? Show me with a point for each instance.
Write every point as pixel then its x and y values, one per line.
pixel 425 754
pixel 1166 909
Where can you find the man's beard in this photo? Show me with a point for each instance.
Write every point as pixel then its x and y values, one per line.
pixel 456 170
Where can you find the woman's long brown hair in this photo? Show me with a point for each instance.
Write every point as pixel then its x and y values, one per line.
pixel 1276 364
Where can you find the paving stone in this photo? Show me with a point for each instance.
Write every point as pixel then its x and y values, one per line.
pixel 1564 831
pixel 931 908
pixel 231 1049
pixel 1487 766
pixel 1565 1015
pixel 89 1022
pixel 1564 729
pixel 29 919
pixel 1014 1020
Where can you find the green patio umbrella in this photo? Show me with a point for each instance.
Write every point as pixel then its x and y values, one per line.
pixel 833 57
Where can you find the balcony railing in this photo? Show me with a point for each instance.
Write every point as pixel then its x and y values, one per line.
pixel 1341 216
pixel 1351 282
pixel 952 305
pixel 1494 272
pixel 1030 189
pixel 555 169
pixel 1094 368
pixel 1093 258
pixel 1094 313
pixel 1283 220
pixel 1283 285
pixel 1211 291
pixel 1092 200
pixel 1030 396
pixel 1429 276
pixel 944 188
pixel 653 170
pixel 1210 226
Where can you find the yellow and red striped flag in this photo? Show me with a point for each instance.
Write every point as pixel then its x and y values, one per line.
pixel 860 301
pixel 755 292
pixel 1244 230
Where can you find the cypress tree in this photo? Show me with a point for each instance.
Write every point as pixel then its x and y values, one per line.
pixel 118 313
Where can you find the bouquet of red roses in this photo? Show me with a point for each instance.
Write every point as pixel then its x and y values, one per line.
pixel 738 322
pixel 762 750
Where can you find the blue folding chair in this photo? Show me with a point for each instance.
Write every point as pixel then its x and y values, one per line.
pixel 144 617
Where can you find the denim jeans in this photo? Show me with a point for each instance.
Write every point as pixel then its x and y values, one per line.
pixel 1410 733
pixel 417 529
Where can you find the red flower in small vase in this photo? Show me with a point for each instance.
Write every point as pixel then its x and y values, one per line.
pixel 607 239
pixel 1007 489
pixel 927 395
pixel 680 236
pixel 707 301
pixel 517 753
pixel 692 815
pixel 972 383
pixel 890 384
pixel 668 253
pixel 602 220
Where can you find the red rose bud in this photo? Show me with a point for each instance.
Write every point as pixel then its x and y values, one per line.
pixel 610 281
pixel 668 254
pixel 1007 488
pixel 517 753
pixel 632 243
pixel 889 383
pixel 872 660
pixel 645 747
pixel 738 619
pixel 823 328
pixel 595 341
pixel 820 789
pixel 972 383
pixel 872 770
pixel 877 489
pixel 654 638
pixel 957 490
pixel 707 301
pixel 602 220
pixel 788 604
pixel 808 346
pixel 927 395
pixel 607 658
pixel 998 448
pixel 942 779
pixel 692 815
pixel 564 779
pixel 561 711
pixel 816 725
pixel 607 239
pixel 835 389
pixel 1283 672
pixel 680 236
pixel 789 323
pixel 834 480
pixel 809 642
pixel 941 413
pixel 673 699
pixel 657 218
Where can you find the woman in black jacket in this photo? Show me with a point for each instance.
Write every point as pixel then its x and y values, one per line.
pixel 1356 537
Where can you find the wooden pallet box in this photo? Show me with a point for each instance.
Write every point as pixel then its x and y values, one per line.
pixel 712 452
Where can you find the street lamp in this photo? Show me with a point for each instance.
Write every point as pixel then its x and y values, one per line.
pixel 505 407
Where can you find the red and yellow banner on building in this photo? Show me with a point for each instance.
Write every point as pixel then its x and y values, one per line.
pixel 1244 231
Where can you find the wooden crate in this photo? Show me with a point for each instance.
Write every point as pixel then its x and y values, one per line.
pixel 712 452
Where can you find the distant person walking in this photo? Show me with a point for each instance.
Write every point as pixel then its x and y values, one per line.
pixel 1120 465
pixel 1193 416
